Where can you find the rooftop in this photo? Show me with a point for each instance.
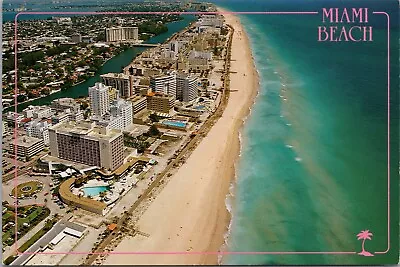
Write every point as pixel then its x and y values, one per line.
pixel 26 141
pixel 85 128
pixel 115 75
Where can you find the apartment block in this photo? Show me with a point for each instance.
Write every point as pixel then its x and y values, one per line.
pixel 26 146
pixel 122 34
pixel 87 143
pixel 163 84
pixel 160 102
pixel 122 82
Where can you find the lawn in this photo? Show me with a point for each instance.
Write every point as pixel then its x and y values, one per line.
pixel 49 224
pixel 27 189
pixel 27 214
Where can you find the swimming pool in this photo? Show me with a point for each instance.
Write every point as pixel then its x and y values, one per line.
pixel 200 107
pixel 95 190
pixel 179 124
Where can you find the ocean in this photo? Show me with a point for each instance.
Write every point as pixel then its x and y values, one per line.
pixel 313 167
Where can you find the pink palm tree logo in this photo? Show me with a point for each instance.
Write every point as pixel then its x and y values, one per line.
pixel 364 235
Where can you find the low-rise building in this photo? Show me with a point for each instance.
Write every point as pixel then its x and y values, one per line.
pixel 60 117
pixel 38 129
pixel 4 127
pixel 62 104
pixel 37 112
pixel 76 38
pixel 160 102
pixel 14 118
pixel 26 146
pixel 139 103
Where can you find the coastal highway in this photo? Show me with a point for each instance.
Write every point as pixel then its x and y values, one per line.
pixel 189 147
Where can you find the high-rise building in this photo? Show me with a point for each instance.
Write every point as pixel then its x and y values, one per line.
pixel 38 129
pixel 186 87
pixel 121 34
pixel 119 81
pixel 164 84
pixel 123 109
pixel 87 143
pixel 112 95
pixel 99 99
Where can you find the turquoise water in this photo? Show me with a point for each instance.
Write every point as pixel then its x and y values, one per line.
pixel 95 190
pixel 313 168
pixel 175 123
pixel 200 107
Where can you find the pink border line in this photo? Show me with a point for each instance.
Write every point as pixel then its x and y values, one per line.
pixel 188 252
pixel 388 131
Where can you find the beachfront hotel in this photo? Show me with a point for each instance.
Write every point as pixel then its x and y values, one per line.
pixel 160 102
pixel 163 84
pixel 179 85
pixel 122 82
pixel 85 143
pixel 99 99
pixel 186 87
pixel 121 34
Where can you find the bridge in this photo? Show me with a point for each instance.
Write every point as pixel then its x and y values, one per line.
pixel 145 45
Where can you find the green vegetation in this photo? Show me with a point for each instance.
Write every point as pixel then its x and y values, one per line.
pixel 56 50
pixel 153 131
pixel 49 224
pixel 10 259
pixel 28 215
pixel 27 189
pixel 154 118
pixel 139 142
pixel 152 27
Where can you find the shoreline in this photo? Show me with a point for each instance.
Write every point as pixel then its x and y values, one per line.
pixel 239 127
pixel 190 213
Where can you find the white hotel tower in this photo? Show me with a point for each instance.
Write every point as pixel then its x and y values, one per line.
pixel 98 97
pixel 186 87
pixel 165 84
pixel 179 85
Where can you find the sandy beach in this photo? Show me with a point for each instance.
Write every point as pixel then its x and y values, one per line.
pixel 189 215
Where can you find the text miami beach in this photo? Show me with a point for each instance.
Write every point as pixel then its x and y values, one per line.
pixel 345 25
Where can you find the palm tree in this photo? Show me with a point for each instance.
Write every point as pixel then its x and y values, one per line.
pixel 364 235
